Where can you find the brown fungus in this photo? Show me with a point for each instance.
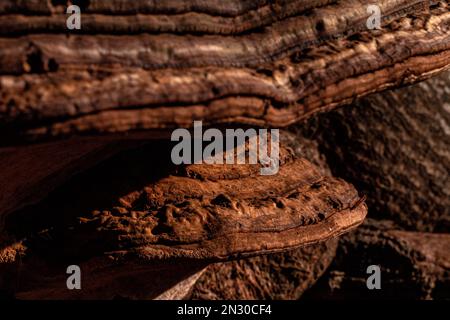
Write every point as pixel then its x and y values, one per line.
pixel 139 69
pixel 139 221
pixel 319 58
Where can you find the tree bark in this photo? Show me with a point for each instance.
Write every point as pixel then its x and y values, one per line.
pixel 413 265
pixel 395 147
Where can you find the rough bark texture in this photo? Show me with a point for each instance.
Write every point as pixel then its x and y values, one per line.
pixel 414 265
pixel 281 276
pixel 138 222
pixel 289 61
pixel 398 144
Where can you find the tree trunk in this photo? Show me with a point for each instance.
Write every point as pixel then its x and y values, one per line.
pixel 395 147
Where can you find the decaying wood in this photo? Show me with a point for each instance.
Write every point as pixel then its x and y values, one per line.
pixel 279 73
pixel 398 144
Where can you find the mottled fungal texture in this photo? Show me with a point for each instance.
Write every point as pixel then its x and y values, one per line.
pixel 79 194
pixel 414 265
pixel 285 275
pixel 254 62
pixel 398 144
pixel 137 221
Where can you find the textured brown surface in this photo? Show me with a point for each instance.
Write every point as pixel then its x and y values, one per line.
pixel 293 64
pixel 154 66
pixel 230 17
pixel 414 265
pixel 398 144
pixel 29 173
pixel 275 276
pixel 120 220
pixel 284 276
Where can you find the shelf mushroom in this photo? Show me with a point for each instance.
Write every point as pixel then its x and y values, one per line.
pixel 75 101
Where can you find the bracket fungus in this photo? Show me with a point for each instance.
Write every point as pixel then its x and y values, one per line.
pixel 291 60
pixel 86 115
pixel 148 219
